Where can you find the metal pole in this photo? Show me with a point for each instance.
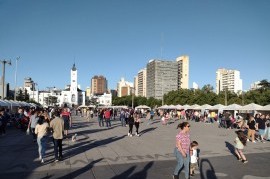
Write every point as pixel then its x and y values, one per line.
pixel 3 79
pixel 16 78
pixel 162 89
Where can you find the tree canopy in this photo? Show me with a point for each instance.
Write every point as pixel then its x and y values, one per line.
pixel 202 96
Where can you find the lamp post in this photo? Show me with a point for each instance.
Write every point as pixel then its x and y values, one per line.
pixel 3 75
pixel 16 78
pixel 162 88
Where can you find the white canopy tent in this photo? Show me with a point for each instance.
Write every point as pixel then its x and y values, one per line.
pixel 251 107
pixel 186 106
pixel 194 106
pixel 232 107
pixel 179 107
pixel 163 107
pixel 4 104
pixel 217 107
pixel 265 108
pixel 142 107
pixel 203 107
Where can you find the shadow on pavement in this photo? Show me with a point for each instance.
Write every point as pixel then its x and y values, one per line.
pixel 230 148
pixel 141 174
pixel 147 130
pixel 205 172
pixel 84 146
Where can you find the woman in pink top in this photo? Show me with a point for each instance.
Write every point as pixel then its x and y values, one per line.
pixel 182 149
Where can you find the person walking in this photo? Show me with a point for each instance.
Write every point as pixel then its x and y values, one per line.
pixel 130 123
pixel 41 132
pixel 107 116
pixel 251 129
pixel 261 127
pixel 100 118
pixel 240 142
pixel 122 118
pixel 32 123
pixel 137 123
pixel 57 125
pixel 182 149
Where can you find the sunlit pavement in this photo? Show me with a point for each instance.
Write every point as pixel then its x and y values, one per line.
pixel 101 153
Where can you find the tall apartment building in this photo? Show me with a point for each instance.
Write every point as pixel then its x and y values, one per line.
pixel 87 93
pixel 98 85
pixel 136 85
pixel 183 71
pixel 162 77
pixel 228 79
pixel 141 89
pixel 124 88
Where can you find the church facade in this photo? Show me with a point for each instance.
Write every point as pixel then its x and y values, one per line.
pixel 72 95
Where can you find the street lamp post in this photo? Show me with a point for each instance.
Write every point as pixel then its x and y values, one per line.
pixel 132 90
pixel 3 75
pixel 162 89
pixel 16 78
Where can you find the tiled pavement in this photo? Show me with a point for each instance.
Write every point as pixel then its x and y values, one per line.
pixel 102 153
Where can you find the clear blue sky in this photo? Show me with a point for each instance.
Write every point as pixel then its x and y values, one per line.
pixel 116 38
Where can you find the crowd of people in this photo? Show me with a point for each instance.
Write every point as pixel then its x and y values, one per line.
pixel 54 124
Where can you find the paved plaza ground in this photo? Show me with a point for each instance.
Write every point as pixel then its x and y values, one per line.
pixel 101 153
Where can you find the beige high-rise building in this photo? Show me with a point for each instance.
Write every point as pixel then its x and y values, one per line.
pixel 98 85
pixel 124 88
pixel 183 71
pixel 88 92
pixel 142 82
pixel 228 79
pixel 136 85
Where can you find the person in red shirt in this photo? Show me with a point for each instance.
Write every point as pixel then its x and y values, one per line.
pixel 107 116
pixel 65 114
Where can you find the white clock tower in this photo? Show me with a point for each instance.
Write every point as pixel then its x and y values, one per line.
pixel 74 86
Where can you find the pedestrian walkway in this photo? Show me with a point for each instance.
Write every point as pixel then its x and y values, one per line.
pixel 102 153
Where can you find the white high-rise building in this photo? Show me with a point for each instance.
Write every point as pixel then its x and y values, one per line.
pixel 228 79
pixel 124 88
pixel 142 82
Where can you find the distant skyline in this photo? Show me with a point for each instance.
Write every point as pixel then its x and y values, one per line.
pixel 117 39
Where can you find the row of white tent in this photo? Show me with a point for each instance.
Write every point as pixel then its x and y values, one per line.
pixel 11 104
pixel 219 107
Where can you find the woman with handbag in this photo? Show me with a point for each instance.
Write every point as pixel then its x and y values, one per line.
pixel 41 132
pixel 252 127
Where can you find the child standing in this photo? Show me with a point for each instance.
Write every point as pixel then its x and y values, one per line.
pixel 240 142
pixel 193 157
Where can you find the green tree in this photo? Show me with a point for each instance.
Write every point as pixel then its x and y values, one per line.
pixel 265 85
